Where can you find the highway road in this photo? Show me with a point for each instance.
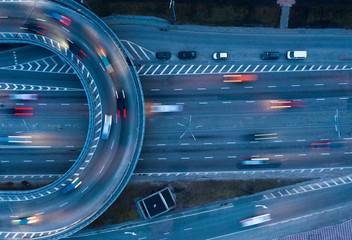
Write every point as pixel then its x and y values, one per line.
pixel 222 121
pixel 213 131
pixel 103 167
pixel 57 130
pixel 290 214
pixel 244 45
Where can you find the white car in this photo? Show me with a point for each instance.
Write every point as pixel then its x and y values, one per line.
pixel 107 126
pixel 220 55
pixel 24 96
pixel 25 220
pixel 255 220
pixel 105 61
pixel 166 108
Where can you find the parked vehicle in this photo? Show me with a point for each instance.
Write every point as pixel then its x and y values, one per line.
pixel 270 55
pixel 220 55
pixel 296 55
pixel 163 55
pixel 187 55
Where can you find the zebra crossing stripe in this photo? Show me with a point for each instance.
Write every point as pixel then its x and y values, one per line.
pixel 189 69
pixel 230 69
pixel 214 69
pixel 180 69
pixel 172 69
pixel 256 68
pixel 148 69
pixel 140 69
pixel 163 69
pixel 271 68
pixel 241 69
pixel 238 69
pixel 197 69
pixel 222 68
pixel 247 68
pixel 205 69
pixel 155 69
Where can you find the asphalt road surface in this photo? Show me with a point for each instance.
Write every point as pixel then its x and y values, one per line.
pixel 289 215
pixel 213 132
pixel 55 132
pixel 216 127
pixel 106 166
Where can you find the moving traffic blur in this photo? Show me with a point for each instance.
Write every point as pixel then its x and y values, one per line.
pixel 240 78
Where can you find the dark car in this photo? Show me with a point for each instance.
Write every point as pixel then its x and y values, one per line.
pixel 270 55
pixel 187 55
pixel 163 55
pixel 73 185
pixel 34 28
pixel 75 50
pixel 326 145
pixel 59 17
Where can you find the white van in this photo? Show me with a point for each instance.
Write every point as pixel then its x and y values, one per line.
pixel 107 126
pixel 296 54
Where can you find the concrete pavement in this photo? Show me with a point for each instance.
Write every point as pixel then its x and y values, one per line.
pixel 285 11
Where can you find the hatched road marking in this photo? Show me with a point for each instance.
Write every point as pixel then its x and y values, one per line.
pixel 160 69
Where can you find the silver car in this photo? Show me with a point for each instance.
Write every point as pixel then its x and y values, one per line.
pixel 107 126
pixel 166 108
pixel 255 220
